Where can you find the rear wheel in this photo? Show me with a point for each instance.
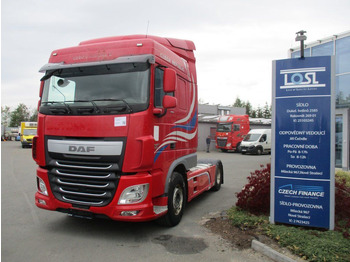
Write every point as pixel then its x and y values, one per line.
pixel 176 201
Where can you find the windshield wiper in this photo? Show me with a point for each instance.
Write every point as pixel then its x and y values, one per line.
pixel 96 108
pixel 116 100
pixel 59 110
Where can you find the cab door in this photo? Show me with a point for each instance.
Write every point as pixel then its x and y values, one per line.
pixel 164 121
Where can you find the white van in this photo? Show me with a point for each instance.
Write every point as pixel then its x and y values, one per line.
pixel 257 141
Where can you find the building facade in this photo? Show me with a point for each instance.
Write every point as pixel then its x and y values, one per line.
pixel 338 46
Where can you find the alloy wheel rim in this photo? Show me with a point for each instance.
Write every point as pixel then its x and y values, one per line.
pixel 177 200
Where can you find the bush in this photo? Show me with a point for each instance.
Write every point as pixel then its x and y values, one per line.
pixel 255 196
pixel 340 175
pixel 342 205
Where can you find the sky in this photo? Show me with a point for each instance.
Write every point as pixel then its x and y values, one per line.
pixel 236 40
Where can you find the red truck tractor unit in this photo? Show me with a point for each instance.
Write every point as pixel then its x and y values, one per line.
pixel 117 131
pixel 230 132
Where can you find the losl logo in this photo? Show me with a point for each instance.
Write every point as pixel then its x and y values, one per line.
pixel 302 77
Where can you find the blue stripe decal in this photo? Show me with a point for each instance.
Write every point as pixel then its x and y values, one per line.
pixel 190 126
pixel 159 152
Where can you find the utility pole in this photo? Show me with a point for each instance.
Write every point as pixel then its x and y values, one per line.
pixel 301 37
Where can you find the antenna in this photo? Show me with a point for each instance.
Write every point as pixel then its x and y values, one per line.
pixel 147 28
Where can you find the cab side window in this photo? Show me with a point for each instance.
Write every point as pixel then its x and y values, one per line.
pixel 236 127
pixel 158 88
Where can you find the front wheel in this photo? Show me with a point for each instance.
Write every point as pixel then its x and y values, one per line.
pixel 218 177
pixel 238 147
pixel 176 201
pixel 259 151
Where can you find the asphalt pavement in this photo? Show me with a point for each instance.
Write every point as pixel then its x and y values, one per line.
pixel 32 234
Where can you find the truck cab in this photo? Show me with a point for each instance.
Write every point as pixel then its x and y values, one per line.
pixel 230 132
pixel 117 130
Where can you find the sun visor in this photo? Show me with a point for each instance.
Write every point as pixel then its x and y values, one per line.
pixel 123 59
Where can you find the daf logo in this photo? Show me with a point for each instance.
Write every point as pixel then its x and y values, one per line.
pixel 81 149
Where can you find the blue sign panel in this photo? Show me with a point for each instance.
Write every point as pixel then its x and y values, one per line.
pixel 303 133
pixel 302 202
pixel 303 142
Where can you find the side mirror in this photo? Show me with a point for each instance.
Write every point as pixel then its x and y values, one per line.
pixel 169 80
pixel 169 102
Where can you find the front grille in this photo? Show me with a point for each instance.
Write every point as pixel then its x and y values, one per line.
pixel 222 142
pixel 86 185
pixel 84 180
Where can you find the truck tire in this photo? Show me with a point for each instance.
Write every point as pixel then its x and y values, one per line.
pixel 218 177
pixel 176 201
pixel 238 147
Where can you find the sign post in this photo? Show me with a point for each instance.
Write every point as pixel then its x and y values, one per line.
pixel 302 168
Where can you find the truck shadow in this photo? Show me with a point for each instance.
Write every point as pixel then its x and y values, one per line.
pixel 127 233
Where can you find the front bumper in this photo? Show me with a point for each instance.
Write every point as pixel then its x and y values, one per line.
pixel 27 143
pixel 149 209
pixel 250 149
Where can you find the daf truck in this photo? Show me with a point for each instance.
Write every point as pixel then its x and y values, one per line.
pixel 230 131
pixel 118 130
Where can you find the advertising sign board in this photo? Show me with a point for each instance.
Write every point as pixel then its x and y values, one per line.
pixel 302 170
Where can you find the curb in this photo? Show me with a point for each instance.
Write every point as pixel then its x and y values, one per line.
pixel 269 252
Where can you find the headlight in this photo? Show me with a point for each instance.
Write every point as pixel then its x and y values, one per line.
pixel 134 194
pixel 24 140
pixel 41 186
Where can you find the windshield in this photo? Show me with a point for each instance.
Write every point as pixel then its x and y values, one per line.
pixel 224 127
pixel 29 132
pixel 104 89
pixel 252 137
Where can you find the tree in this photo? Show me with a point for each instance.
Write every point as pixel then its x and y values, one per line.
pixel 248 108
pixel 21 113
pixel 5 115
pixel 34 115
pixel 266 111
pixel 259 112
pixel 253 113
pixel 238 103
pixel 201 101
